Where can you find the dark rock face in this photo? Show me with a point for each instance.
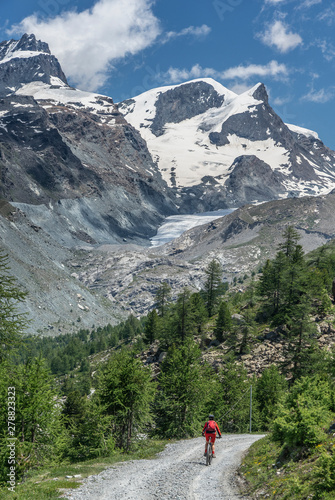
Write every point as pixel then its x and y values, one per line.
pixel 250 180
pixel 261 94
pixel 254 126
pixel 258 124
pixel 36 164
pixel 253 179
pixel 27 43
pixel 16 70
pixel 184 102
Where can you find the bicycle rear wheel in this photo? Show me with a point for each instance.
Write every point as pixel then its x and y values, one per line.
pixel 209 453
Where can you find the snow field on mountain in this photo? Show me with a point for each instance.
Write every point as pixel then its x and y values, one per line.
pixel 65 95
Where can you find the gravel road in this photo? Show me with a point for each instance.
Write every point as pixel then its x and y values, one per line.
pixel 179 472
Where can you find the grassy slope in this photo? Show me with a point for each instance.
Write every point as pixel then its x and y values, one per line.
pixel 270 471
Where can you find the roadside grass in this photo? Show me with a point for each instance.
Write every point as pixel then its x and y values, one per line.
pixel 49 483
pixel 274 472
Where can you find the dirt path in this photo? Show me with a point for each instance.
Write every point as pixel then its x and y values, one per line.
pixel 179 472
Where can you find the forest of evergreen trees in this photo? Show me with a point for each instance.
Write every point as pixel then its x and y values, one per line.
pixel 69 406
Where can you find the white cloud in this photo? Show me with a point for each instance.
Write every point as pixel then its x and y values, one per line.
pixel 272 69
pixel 239 88
pixel 198 31
pixel 328 15
pixel 274 2
pixel 280 101
pixel 278 35
pixel 319 96
pixel 327 49
pixel 88 43
pixel 309 3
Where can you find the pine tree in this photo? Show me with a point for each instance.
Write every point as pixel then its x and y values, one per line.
pixel 233 397
pixel 223 322
pixel 199 312
pixel 126 391
pixel 272 283
pixel 163 295
pixel 301 343
pixel 268 392
pixel 38 424
pixel 12 323
pixel 184 323
pixel 212 285
pixel 291 238
pixel 151 328
pixel 186 386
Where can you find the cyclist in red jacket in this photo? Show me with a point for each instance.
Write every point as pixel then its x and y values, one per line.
pixel 209 431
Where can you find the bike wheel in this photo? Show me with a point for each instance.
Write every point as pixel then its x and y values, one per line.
pixel 207 454
pixel 210 455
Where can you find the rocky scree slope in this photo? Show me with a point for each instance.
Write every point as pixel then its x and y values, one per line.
pixel 240 241
pixel 56 302
pixel 217 149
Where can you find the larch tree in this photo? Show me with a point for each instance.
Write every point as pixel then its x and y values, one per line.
pixel 12 323
pixel 212 285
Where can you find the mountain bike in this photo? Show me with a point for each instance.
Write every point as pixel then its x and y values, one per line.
pixel 209 454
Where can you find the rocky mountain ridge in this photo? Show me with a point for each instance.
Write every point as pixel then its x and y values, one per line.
pixel 69 159
pixel 26 60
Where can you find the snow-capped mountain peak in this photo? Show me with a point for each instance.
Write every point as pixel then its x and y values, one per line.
pixel 27 46
pixel 219 149
pixel 24 61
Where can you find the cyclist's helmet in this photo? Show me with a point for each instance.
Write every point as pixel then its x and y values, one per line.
pixel 211 416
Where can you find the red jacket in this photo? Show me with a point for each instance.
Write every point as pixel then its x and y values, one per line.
pixel 216 428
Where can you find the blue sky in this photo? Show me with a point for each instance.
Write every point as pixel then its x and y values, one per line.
pixel 124 47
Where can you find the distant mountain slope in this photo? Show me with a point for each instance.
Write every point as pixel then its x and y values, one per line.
pixel 219 149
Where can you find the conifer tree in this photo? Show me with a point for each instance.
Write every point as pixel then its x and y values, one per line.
pixel 186 386
pixel 301 343
pixel 126 391
pixel 233 397
pixel 163 296
pixel 212 285
pixel 291 238
pixel 184 320
pixel 38 424
pixel 269 390
pixel 12 323
pixel 223 322
pixel 199 312
pixel 151 328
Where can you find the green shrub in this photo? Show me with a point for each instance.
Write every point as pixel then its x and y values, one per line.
pixel 325 472
pixel 304 414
